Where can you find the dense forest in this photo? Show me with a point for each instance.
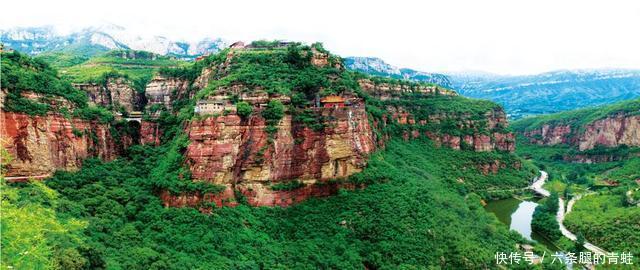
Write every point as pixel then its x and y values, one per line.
pixel 411 217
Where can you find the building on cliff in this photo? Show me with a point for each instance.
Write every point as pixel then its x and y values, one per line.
pixel 333 101
pixel 215 106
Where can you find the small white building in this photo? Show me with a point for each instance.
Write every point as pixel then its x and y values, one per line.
pixel 214 107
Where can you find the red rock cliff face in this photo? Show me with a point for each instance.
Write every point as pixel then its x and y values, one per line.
pixel 42 144
pixel 150 133
pixel 238 153
pixel 609 132
pixel 494 122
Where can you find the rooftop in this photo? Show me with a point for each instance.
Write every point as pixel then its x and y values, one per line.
pixel 332 99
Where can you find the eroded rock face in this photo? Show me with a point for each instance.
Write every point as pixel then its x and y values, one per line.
pixel 115 93
pixel 612 131
pixel 42 144
pixel 319 59
pixel 550 135
pixel 239 154
pixel 495 121
pixel 163 91
pixel 150 133
pixel 386 91
pixel 228 150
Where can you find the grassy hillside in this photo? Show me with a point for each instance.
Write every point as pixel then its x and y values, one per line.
pixel 136 65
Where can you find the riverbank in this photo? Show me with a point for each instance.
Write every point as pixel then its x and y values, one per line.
pixel 537 186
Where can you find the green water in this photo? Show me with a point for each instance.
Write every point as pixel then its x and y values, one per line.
pixel 517 215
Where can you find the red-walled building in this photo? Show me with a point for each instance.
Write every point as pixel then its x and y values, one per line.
pixel 332 101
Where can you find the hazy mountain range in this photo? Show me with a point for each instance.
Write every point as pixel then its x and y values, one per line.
pixel 520 95
pixel 37 40
pixel 525 94
pixel 551 91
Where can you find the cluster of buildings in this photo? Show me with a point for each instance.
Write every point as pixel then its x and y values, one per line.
pixel 221 104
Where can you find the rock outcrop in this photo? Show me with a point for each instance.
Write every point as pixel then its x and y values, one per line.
pixel 164 90
pixel 150 133
pixel 116 93
pixel 612 131
pixel 386 91
pixel 486 134
pixel 40 145
pixel 240 154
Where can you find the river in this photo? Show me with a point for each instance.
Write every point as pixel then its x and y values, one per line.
pixel 517 215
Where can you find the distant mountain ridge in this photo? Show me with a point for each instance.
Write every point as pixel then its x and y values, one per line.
pixel 523 95
pixel 377 66
pixel 37 40
pixel 551 92
pixel 520 95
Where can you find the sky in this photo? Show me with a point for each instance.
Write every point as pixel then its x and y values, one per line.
pixel 497 36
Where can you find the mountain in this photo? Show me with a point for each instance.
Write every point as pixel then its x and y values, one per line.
pixel 602 126
pixel 552 91
pixel 522 95
pixel 91 40
pixel 408 164
pixel 377 66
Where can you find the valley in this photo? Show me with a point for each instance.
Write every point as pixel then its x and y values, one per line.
pixel 591 157
pixel 276 155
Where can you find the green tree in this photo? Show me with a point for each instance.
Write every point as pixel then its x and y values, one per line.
pixel 273 112
pixel 244 109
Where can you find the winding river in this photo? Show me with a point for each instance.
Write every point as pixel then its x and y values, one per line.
pixel 518 214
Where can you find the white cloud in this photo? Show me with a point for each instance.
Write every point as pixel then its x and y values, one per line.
pixel 501 36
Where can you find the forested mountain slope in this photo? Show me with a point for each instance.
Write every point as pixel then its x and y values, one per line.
pixel 403 167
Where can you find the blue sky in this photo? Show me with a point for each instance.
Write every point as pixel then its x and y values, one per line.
pixel 499 36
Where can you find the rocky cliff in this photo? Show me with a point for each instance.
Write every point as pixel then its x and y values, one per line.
pixel 230 151
pixel 115 93
pixel 388 90
pixel 612 131
pixel 40 145
pixel 291 161
pixel 486 132
pixel 163 91
pixel 240 155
